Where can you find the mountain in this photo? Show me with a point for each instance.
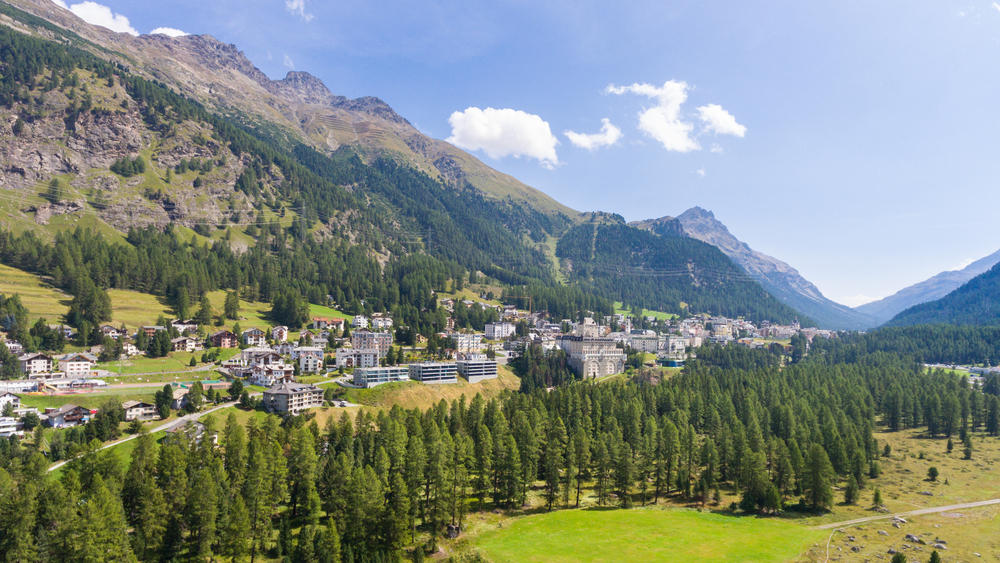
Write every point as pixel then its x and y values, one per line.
pixel 778 278
pixel 672 273
pixel 977 302
pixel 928 290
pixel 175 166
pixel 297 108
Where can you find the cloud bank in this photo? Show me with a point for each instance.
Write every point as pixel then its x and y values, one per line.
pixel 608 135
pixel 504 132
pixel 99 14
pixel 666 123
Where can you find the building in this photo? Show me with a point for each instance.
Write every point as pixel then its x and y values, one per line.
pixel 254 337
pixel 77 365
pixel 9 426
pixel 279 333
pixel 66 416
pixel 185 344
pixel 138 410
pixel 14 347
pixel 310 359
pixel 9 399
pixel 499 331
pixel 592 357
pixel 643 342
pixel 179 399
pixel 111 332
pixel 184 327
pixel 129 349
pixel 359 321
pixel 151 330
pixel 223 339
pixel 36 364
pixel 476 370
pixel 292 398
pixel 367 340
pixel 18 385
pixel 354 358
pixel 467 343
pixel 381 323
pixel 434 372
pixel 370 377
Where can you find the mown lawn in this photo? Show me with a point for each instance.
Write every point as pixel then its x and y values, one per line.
pixel 136 309
pixel 650 534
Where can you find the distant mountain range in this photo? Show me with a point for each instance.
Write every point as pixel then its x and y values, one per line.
pixel 928 290
pixel 778 278
pixel 977 302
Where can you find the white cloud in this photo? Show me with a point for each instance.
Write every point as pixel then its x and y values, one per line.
pixel 298 8
pixel 719 121
pixel 504 132
pixel 663 121
pixel 288 62
pixel 99 14
pixel 997 6
pixel 168 31
pixel 716 148
pixel 608 136
pixel 700 172
pixel 61 4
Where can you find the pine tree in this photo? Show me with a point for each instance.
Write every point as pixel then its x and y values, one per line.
pixel 817 479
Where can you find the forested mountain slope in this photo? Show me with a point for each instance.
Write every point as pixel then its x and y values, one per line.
pixel 673 274
pixel 778 278
pixel 975 303
pixel 928 290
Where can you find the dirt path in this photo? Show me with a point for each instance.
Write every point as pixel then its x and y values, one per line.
pixel 917 512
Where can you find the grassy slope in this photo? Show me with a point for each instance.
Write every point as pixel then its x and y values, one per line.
pixel 658 315
pixel 41 299
pixel 651 534
pixel 414 394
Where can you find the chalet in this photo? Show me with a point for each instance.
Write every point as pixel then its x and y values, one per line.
pixel 186 344
pixel 191 430
pixel 151 330
pixel 35 365
pixel 138 410
pixel 320 340
pixel 254 337
pixel 179 400
pixel 111 332
pixel 310 359
pixel 292 398
pixel 66 416
pixel 184 327
pixel 77 365
pixel 9 426
pixel 359 321
pixel 269 375
pixel 14 347
pixel 320 323
pixel 9 399
pixel 129 349
pixel 223 339
pixel 279 333
pixel 381 323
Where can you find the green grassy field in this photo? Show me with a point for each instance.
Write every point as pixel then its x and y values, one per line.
pixel 41 299
pixel 175 362
pixel 658 315
pixel 413 394
pixel 88 400
pixel 136 309
pixel 651 534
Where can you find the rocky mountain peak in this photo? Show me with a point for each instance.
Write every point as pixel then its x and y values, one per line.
pixel 370 105
pixel 303 87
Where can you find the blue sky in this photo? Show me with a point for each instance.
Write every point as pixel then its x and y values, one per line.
pixel 855 140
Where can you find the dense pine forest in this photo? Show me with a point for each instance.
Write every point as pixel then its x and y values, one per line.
pixel 369 487
pixel 974 303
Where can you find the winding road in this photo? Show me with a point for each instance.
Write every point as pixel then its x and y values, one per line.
pixel 170 424
pixel 917 512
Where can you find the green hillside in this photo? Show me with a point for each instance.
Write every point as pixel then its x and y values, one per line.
pixel 975 303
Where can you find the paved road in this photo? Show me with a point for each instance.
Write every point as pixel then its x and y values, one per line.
pixel 164 426
pixel 917 512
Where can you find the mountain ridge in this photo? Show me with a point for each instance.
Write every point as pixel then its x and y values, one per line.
pixel 779 278
pixel 300 104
